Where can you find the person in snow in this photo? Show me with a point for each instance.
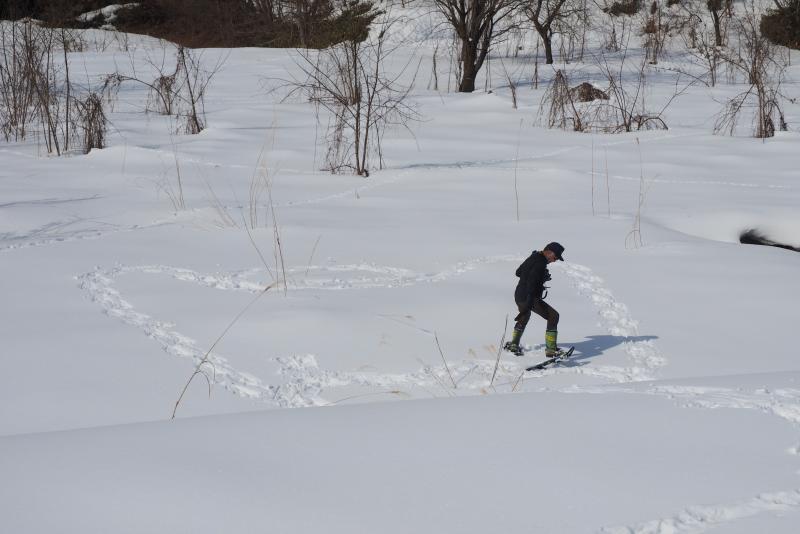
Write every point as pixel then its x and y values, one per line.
pixel 530 294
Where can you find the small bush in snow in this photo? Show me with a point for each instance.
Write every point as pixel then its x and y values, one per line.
pixel 92 121
pixel 349 82
pixel 762 65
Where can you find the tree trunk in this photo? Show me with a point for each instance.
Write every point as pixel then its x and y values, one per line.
pixel 547 39
pixel 469 59
pixel 548 49
pixel 717 28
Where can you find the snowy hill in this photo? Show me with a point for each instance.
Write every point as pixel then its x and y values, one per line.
pixel 351 326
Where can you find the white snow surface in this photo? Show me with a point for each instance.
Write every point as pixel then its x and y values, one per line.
pixel 367 394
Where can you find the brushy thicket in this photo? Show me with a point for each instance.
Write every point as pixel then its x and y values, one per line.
pixel 782 25
pixel 624 7
pixel 49 10
pixel 217 23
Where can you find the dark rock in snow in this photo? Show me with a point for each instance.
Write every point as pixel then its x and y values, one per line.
pixel 587 92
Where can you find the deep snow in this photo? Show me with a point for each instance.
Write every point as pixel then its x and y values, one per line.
pixel 679 412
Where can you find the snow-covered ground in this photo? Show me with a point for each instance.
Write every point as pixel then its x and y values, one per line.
pixel 366 394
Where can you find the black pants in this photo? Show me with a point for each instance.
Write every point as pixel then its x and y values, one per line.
pixel 540 308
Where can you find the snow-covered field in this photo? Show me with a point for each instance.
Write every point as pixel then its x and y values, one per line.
pixel 366 393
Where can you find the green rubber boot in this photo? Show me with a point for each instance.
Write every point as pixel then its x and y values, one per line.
pixel 550 343
pixel 513 345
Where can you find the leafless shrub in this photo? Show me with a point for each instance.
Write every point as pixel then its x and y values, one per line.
pixel 560 106
pixel 338 155
pixel 585 108
pixel 162 97
pixel 92 121
pixel 512 85
pixel 51 105
pixel 177 92
pixel 634 237
pixel 348 81
pixel 655 31
pixel 573 29
pixel 763 66
pixel 701 49
pixel 110 88
pixel 17 93
pixel 174 192
pixel 36 89
pixel 626 100
pixel 648 122
pixel 72 41
pixel 514 41
pixel 616 30
pixel 182 92
pixel 194 89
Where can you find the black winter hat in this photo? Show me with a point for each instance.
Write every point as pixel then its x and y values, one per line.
pixel 556 248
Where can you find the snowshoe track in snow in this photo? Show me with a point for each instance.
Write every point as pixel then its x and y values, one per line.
pixel 615 318
pixel 304 381
pixel 696 519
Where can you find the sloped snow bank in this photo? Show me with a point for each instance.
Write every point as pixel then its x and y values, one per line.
pixel 537 462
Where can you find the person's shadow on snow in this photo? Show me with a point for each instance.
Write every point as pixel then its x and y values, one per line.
pixel 596 345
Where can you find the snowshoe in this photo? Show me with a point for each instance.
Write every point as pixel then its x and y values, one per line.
pixel 514 348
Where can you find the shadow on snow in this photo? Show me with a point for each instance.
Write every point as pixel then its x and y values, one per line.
pixel 596 345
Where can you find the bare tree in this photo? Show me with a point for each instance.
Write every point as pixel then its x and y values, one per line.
pixel 763 65
pixel 545 13
pixel 626 99
pixel 656 30
pixel 476 24
pixel 720 10
pixel 701 50
pixel 349 81
pixel 35 85
pixel 572 29
pixel 560 105
pixel 618 22
pixel 194 88
pixel 16 81
pixel 180 92
pixel 92 121
pixel 626 92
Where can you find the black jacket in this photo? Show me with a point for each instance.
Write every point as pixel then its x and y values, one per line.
pixel 532 275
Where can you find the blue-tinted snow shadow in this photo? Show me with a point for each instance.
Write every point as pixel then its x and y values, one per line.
pixel 596 345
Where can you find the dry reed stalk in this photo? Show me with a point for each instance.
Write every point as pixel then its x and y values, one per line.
pixel 313 250
pixel 516 164
pixel 436 337
pixel 204 360
pixel 181 204
pixel 608 187
pixel 593 176
pixel 351 397
pixel 517 382
pixel 499 350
